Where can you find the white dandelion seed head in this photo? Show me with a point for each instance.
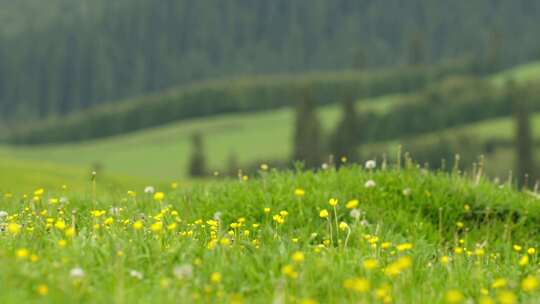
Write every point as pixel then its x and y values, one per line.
pixel 355 213
pixel 76 273
pixel 364 223
pixel 136 274
pixel 407 192
pixel 3 214
pixel 370 184
pixel 64 200
pixel 114 211
pixel 324 166
pixel 371 164
pixel 149 190
pixel 182 272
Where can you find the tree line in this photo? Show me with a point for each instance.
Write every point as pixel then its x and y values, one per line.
pixel 61 56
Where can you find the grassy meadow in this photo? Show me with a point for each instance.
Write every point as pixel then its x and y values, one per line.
pixel 391 234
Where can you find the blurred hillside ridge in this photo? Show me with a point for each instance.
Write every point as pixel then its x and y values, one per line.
pixel 97 51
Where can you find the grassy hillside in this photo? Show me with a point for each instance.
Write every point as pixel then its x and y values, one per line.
pixel 412 237
pixel 19 175
pixel 162 153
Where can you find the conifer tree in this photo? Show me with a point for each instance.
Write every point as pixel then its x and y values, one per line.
pixel 197 163
pixel 523 138
pixel 307 141
pixel 232 164
pixel 346 137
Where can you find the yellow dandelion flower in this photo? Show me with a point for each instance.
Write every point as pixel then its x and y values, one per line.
pixel 352 204
pixel 370 264
pixel 138 225
pixel 42 290
pixel 215 277
pixel 517 248
pixel 343 226
pixel 288 270
pixel 156 227
pixel 62 243
pixel 445 260
pixel 485 300
pixel 108 221
pixel 70 232
pixel 453 296
pixel 13 228
pixel 22 253
pixel 524 261
pixel 499 283
pixel 298 257
pixel 333 202
pixel 531 250
pixel 360 285
pixel 159 196
pixel 404 246
pixel 323 213
pixel 507 297
pixel 299 192
pixel 529 284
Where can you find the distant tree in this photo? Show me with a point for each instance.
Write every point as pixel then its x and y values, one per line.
pixel 494 55
pixel 346 137
pixel 523 138
pixel 307 136
pixel 417 49
pixel 232 164
pixel 359 59
pixel 197 163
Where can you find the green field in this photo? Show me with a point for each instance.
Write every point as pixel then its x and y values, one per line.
pixel 413 237
pixel 162 153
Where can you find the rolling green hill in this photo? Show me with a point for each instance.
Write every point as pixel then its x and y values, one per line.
pixel 162 152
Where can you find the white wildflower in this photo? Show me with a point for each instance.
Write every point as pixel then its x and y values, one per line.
pixel 370 184
pixel 149 190
pixel 136 274
pixel 355 214
pixel 3 214
pixel 371 164
pixel 182 272
pixel 76 273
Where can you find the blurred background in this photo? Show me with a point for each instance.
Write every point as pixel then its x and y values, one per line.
pixel 181 89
